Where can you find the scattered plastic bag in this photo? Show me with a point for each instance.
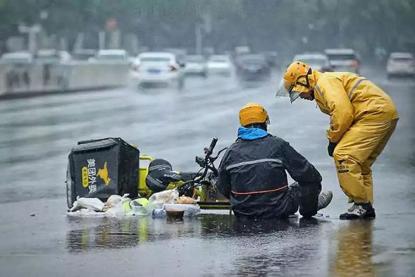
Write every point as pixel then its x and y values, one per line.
pixel 186 200
pixel 123 206
pixel 93 204
pixel 157 200
pixel 112 201
pixel 86 213
pixel 119 209
pixel 189 209
pixel 158 213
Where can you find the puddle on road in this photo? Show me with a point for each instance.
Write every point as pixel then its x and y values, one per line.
pixel 88 234
pixel 313 246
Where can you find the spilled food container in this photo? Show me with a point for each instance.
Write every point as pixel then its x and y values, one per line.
pixel 178 211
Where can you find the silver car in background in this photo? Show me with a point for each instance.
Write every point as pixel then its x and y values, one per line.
pixel 343 59
pixel 220 65
pixel 196 65
pixel 317 61
pixel 112 55
pixel 158 68
pixel 400 64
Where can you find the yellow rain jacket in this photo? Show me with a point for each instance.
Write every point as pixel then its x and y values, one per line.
pixel 362 119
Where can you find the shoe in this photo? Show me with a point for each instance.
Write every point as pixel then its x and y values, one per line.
pixel 324 199
pixel 359 211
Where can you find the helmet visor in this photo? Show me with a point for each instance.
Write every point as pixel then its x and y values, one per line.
pixel 292 90
pixel 282 89
pixel 294 95
pixel 285 89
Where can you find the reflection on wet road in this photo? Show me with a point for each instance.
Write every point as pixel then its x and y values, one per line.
pixel 354 250
pixel 249 248
pixel 36 237
pixel 257 247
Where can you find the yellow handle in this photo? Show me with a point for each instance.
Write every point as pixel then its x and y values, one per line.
pixel 146 157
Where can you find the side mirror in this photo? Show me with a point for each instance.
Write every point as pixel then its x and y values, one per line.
pixel 182 64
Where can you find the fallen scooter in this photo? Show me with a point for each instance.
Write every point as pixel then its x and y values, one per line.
pixel 203 186
pixel 106 167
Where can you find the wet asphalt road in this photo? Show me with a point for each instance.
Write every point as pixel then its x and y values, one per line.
pixel 38 239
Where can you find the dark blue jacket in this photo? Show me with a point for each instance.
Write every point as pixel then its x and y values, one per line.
pixel 253 174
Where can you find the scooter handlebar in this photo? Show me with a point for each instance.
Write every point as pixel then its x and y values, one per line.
pixel 212 145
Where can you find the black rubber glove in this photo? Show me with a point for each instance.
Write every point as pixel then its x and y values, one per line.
pixel 330 148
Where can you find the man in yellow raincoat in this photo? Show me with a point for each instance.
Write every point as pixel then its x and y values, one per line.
pixel 362 119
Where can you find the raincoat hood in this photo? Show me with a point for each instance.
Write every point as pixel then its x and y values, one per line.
pixel 251 133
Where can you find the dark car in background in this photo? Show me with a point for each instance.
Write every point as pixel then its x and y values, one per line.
pixel 252 67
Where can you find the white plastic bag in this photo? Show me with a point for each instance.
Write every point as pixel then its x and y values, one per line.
pixel 118 210
pixel 163 197
pixel 93 204
pixel 112 201
pixel 189 209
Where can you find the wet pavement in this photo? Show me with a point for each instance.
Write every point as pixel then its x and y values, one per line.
pixel 38 239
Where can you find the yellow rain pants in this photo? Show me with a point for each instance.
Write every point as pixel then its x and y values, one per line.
pixel 362 119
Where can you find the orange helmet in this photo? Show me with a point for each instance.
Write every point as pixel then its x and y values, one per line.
pixel 296 79
pixel 253 113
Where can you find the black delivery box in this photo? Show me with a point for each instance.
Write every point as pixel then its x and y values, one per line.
pixel 101 168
